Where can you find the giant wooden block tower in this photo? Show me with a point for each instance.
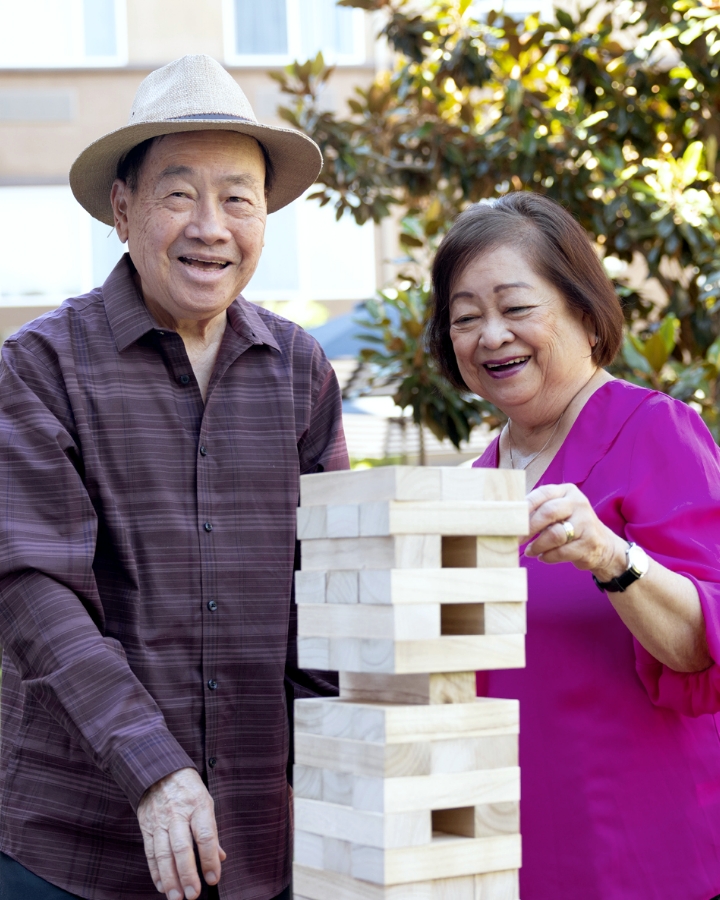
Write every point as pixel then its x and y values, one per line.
pixel 407 785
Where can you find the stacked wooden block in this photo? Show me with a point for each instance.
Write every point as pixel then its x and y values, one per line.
pixel 407 785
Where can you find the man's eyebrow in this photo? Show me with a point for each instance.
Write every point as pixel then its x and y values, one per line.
pixel 514 284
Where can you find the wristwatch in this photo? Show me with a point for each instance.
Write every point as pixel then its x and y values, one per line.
pixel 638 563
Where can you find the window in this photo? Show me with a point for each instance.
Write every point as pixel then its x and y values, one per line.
pixel 310 256
pixel 274 32
pixel 50 248
pixel 62 33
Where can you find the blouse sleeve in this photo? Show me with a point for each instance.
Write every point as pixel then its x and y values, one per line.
pixel 672 509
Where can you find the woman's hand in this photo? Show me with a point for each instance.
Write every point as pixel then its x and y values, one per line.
pixel 594 546
pixel 662 609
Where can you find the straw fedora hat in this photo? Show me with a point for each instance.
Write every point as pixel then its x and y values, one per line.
pixel 194 93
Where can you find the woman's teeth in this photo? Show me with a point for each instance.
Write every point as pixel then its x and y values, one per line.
pixel 501 367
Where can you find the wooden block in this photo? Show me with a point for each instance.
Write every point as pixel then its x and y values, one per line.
pixel 505 618
pixel 337 855
pixel 416 792
pixel 319 885
pixel 450 653
pixel 309 849
pixel 454 687
pixel 307 782
pixel 331 716
pixel 328 521
pixel 342 586
pixel 467 754
pixel 409 829
pixel 490 517
pixel 409 483
pixel 445 857
pixel 410 551
pixel 310 587
pixel 498 886
pixel 497 818
pixel 462 888
pixel 338 787
pixel 362 757
pixel 479 552
pixel 313 652
pixel 456 585
pixel 382 483
pixel 394 623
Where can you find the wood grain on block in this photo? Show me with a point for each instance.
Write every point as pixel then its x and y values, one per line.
pixel 490 517
pixel 342 586
pixel 309 849
pixel 460 552
pixel 450 585
pixel 497 818
pixel 393 724
pixel 447 687
pixel 410 829
pixel 450 653
pixel 366 485
pixel 417 792
pixel 310 587
pixel 313 652
pixel 506 618
pixel 409 551
pixel 458 653
pixel 328 521
pixel 337 787
pixel 462 888
pixel 401 623
pixel 481 484
pixel 466 754
pixel 337 855
pixel 362 757
pixel 497 886
pixel 317 884
pixel 307 782
pixel 445 857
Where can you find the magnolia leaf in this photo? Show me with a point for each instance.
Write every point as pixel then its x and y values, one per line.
pixel 668 332
pixel 655 351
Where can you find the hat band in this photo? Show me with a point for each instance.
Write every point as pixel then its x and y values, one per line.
pixel 220 117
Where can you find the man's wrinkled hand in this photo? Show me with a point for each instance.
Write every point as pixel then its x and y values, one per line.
pixel 174 814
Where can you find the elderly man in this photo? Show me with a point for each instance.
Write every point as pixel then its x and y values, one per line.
pixel 152 434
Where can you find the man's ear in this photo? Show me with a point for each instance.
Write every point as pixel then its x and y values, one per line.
pixel 118 199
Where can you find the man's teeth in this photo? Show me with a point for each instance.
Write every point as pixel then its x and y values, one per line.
pixel 203 263
pixel 505 365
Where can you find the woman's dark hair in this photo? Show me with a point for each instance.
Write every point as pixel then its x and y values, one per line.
pixel 128 168
pixel 554 245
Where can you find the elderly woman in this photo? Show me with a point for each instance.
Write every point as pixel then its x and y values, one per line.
pixel 619 747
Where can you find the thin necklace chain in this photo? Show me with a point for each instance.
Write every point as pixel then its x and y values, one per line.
pixel 547 442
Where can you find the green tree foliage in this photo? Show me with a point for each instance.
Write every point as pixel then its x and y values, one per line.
pixel 615 117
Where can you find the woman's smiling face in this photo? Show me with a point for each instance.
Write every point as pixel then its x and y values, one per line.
pixel 517 342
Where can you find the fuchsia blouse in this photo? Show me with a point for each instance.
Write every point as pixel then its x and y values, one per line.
pixel 620 756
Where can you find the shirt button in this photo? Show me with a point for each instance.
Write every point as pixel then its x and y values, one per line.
pixel 208 526
pixel 212 605
pixel 184 379
pixel 212 762
pixel 212 684
pixel 203 450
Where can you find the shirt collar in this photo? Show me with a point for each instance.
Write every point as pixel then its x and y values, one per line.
pixel 130 320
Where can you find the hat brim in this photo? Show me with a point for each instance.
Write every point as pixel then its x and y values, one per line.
pixel 295 158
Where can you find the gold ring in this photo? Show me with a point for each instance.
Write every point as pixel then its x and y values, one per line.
pixel 569 530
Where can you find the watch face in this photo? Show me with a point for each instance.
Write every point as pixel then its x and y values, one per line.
pixel 638 560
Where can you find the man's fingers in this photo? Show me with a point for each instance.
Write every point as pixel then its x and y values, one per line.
pixel 149 845
pixel 171 885
pixel 182 847
pixel 205 833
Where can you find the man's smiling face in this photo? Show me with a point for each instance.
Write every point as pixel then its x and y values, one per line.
pixel 195 223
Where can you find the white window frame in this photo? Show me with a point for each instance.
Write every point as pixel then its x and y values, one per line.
pixel 78 59
pixel 263 60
